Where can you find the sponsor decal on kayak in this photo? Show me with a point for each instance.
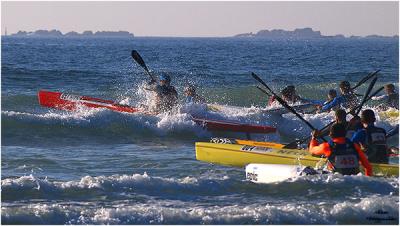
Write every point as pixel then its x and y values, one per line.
pixel 71 97
pixel 255 149
pixel 289 152
pixel 251 176
pixel 218 140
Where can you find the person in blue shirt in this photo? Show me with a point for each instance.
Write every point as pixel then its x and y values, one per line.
pixel 372 138
pixel 192 96
pixel 347 99
pixel 332 94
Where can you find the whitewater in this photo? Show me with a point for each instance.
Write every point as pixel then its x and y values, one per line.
pixel 95 166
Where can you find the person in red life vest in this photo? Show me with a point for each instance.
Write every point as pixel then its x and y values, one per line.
pixel 343 155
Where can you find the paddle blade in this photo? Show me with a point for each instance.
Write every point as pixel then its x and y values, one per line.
pixel 366 78
pixel 136 56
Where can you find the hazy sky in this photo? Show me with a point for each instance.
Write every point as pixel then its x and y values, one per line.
pixel 202 19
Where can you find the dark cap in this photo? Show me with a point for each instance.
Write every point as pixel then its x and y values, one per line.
pixel 332 92
pixel 341 115
pixel 368 116
pixel 344 85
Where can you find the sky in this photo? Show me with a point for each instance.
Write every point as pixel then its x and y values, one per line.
pixel 202 19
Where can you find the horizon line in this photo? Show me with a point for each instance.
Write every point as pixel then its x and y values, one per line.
pixel 156 36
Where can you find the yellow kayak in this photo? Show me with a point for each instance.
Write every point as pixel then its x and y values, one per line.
pixel 389 115
pixel 240 155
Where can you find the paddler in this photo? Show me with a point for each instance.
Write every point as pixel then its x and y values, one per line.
pixel 288 94
pixel 391 98
pixel 191 96
pixel 348 98
pixel 166 95
pixel 372 138
pixel 343 155
pixel 351 127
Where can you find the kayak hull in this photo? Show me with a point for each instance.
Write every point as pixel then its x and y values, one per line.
pixel 303 108
pixel 238 155
pixel 272 173
pixel 71 102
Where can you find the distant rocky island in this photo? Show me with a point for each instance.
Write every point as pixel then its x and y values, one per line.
pixel 299 33
pixel 57 33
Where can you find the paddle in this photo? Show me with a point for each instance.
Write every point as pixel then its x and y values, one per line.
pixel 371 85
pixel 293 144
pixel 283 102
pixel 393 132
pixel 262 90
pixel 136 56
pixel 366 78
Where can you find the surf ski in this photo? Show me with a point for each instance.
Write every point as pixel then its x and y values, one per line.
pixel 71 102
pixel 240 155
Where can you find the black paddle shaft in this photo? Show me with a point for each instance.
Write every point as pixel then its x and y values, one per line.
pixel 262 90
pixel 371 85
pixel 136 56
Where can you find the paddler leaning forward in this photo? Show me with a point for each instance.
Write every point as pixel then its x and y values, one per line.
pixel 343 155
pixel 166 95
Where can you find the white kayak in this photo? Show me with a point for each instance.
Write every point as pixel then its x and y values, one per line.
pixel 303 108
pixel 272 173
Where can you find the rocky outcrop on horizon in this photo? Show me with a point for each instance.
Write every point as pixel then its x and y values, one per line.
pixel 57 33
pixel 299 33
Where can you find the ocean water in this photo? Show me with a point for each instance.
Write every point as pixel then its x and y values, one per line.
pixel 103 167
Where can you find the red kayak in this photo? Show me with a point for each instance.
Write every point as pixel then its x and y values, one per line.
pixel 71 102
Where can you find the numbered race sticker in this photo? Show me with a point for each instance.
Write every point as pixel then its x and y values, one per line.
pixel 377 137
pixel 346 161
